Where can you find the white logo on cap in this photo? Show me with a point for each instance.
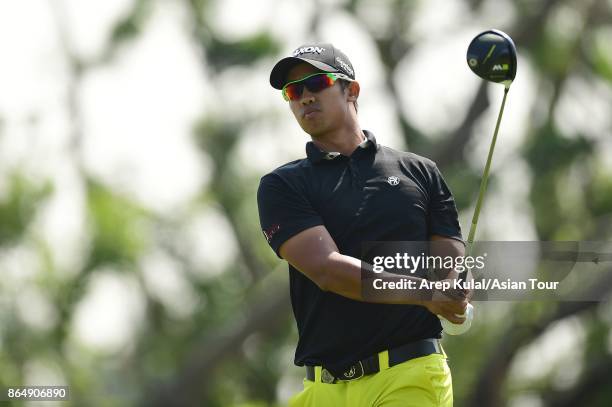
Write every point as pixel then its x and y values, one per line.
pixel 308 50
pixel 345 66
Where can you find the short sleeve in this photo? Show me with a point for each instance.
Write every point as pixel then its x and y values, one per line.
pixel 443 218
pixel 284 211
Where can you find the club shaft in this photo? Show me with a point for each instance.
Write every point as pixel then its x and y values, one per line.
pixel 485 177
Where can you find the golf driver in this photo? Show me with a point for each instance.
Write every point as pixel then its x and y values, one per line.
pixel 492 56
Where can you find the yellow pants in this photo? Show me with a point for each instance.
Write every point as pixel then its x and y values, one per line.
pixel 420 382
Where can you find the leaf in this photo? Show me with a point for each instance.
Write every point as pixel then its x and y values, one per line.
pixel 19 206
pixel 222 54
pixel 131 25
pixel 600 52
pixel 117 223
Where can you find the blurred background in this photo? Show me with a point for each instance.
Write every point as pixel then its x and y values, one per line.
pixel 132 138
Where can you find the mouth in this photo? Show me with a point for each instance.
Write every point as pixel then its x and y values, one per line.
pixel 310 112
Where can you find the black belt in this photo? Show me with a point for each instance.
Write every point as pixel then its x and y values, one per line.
pixel 370 364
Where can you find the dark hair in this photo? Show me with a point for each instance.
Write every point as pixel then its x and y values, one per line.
pixel 345 84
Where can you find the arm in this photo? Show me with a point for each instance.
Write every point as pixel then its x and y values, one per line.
pixel 446 246
pixel 315 254
pixel 445 237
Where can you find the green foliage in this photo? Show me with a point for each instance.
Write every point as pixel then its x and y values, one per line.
pixel 118 227
pixel 247 372
pixel 224 54
pixel 548 151
pixel 551 155
pixel 553 55
pixel 599 198
pixel 216 137
pixel 19 205
pixel 600 52
pixel 464 183
pixel 131 25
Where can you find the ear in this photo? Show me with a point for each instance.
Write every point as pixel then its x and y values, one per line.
pixel 353 91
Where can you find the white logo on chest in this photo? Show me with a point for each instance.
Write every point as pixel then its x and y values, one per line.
pixel 393 180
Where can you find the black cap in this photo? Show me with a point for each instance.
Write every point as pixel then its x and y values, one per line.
pixel 325 57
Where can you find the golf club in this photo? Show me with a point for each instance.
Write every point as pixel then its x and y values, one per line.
pixel 492 56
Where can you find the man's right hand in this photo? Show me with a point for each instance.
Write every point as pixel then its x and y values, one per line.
pixel 448 304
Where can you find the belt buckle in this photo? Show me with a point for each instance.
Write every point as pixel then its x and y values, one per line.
pixel 327 377
pixel 355 372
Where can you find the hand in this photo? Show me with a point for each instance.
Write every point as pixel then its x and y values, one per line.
pixel 467 292
pixel 448 304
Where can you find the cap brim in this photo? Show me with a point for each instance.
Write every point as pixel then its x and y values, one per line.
pixel 278 76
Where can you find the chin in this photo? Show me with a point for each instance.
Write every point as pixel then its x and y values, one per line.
pixel 313 127
pixel 313 131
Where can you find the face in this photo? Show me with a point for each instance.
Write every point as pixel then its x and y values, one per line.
pixel 321 112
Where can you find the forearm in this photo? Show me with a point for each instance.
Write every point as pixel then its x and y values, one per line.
pixel 314 253
pixel 443 247
pixel 342 275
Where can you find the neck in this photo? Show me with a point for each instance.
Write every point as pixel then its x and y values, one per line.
pixel 344 140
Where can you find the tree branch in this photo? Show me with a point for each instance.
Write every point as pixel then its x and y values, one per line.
pixel 487 391
pixel 452 151
pixel 195 376
pixel 592 382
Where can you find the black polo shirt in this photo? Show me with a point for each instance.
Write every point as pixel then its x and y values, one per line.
pixel 376 194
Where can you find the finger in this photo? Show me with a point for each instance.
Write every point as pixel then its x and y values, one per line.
pixel 454 318
pixel 458 307
pixel 461 293
pixel 453 295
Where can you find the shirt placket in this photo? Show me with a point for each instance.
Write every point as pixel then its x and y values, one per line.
pixel 354 171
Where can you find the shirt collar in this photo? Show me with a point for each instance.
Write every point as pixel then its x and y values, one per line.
pixel 315 154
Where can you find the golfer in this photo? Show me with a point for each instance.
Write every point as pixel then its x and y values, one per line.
pixel 316 212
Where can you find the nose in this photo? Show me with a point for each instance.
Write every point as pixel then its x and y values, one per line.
pixel 307 97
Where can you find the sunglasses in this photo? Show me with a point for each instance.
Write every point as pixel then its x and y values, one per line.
pixel 314 83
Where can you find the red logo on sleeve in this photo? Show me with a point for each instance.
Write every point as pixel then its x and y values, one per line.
pixel 268 233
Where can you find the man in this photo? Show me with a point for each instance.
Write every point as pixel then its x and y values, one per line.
pixel 317 212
